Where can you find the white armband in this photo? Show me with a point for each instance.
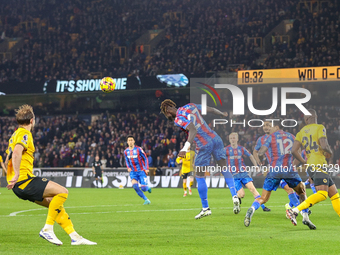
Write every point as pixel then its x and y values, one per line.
pixel 186 147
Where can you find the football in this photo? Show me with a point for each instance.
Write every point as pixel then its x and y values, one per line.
pixel 107 84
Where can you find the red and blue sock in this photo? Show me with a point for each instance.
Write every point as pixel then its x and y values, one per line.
pixel 202 189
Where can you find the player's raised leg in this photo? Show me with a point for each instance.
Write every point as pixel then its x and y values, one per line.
pixel 250 185
pixel 143 180
pixel 301 191
pixel 269 185
pixel 139 191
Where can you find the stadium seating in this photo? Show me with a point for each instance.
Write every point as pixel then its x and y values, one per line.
pixel 79 38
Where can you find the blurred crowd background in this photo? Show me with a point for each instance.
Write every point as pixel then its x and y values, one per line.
pixel 72 39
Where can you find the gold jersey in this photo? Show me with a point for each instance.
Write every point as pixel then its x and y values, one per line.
pixel 186 162
pixel 309 137
pixel 23 137
pixel 1 159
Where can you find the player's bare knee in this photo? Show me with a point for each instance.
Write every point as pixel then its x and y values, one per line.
pixel 240 193
pixel 64 190
pixel 300 189
pixel 332 190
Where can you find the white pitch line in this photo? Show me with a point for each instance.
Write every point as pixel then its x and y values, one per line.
pixel 43 208
pixel 134 211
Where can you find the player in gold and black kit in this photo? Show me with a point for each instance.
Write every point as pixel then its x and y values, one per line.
pixel 314 140
pixel 187 168
pixel 27 186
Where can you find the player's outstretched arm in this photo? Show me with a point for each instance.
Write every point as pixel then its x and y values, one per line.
pixel 145 161
pixel 16 160
pixel 127 162
pixel 216 111
pixel 256 157
pixel 252 159
pixel 262 151
pixel 325 146
pixel 191 136
pixel 297 152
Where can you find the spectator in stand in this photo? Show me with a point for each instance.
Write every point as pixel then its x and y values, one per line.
pixel 103 161
pixel 150 159
pixel 158 162
pixel 55 161
pixel 116 163
pixel 172 161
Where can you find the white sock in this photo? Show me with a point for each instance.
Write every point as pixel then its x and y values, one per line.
pixel 75 236
pixel 48 228
pixel 305 216
pixel 205 208
pixel 295 210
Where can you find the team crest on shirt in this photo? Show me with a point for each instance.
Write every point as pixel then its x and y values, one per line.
pixel 324 180
pixel 24 139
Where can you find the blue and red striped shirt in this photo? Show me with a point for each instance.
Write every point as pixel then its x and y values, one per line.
pixel 235 159
pixel 279 146
pixel 136 159
pixel 191 113
pixel 260 141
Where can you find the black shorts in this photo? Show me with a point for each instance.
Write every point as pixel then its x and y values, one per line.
pixel 185 175
pixel 34 191
pixel 320 178
pixel 98 175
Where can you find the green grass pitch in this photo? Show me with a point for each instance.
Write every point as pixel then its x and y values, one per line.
pixel 120 224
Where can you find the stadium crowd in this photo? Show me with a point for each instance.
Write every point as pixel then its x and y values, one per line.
pixel 74 38
pixel 316 40
pixel 68 141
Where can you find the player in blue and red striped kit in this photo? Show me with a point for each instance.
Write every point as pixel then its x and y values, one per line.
pixel 279 145
pixel 208 143
pixel 138 167
pixel 260 141
pixel 239 169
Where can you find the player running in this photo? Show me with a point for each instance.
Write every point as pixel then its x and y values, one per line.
pixel 186 170
pixel 208 143
pixel 279 144
pixel 138 167
pixel 313 138
pixel 235 162
pixel 260 141
pixel 97 171
pixel 27 186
